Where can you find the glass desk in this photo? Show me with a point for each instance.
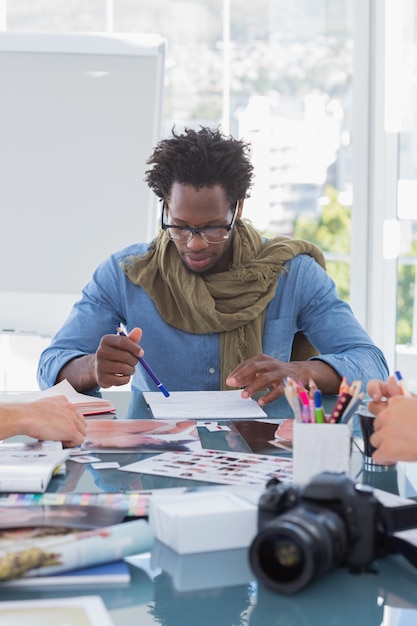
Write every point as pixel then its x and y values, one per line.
pixel 218 588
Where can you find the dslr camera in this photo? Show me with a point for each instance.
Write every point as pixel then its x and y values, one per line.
pixel 304 532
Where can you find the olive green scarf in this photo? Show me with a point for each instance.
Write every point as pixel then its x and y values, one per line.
pixel 231 303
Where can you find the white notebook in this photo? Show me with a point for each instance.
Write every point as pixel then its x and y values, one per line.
pixel 202 405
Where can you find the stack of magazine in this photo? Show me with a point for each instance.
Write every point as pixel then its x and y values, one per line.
pixel 44 458
pixel 57 544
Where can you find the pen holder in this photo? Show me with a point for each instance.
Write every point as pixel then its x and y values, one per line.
pixel 366 422
pixel 320 448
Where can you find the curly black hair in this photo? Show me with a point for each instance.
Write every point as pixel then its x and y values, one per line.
pixel 202 158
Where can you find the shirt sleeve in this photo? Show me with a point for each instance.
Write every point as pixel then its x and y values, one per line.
pixel 329 323
pixel 98 312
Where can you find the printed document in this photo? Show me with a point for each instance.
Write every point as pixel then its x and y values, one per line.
pixel 202 405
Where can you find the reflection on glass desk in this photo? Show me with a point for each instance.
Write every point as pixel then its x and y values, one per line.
pixel 218 588
pixel 82 478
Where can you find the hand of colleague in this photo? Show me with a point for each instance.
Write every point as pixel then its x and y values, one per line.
pixel 264 372
pixel 380 391
pixel 116 358
pixel 50 418
pixel 395 430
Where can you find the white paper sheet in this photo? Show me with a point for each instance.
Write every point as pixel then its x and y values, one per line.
pixel 207 405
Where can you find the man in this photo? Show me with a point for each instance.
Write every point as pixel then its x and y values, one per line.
pixel 213 304
pixel 395 426
pixel 48 418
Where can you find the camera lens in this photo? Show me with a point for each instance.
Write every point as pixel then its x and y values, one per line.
pixel 296 547
pixel 281 557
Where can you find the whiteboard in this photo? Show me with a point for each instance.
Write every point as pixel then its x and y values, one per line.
pixel 79 116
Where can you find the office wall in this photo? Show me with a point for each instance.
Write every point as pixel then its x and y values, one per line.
pixel 79 115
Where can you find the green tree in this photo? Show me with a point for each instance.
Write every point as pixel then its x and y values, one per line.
pixel 405 298
pixel 330 231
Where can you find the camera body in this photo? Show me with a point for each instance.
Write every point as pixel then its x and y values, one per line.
pixel 354 503
pixel 303 532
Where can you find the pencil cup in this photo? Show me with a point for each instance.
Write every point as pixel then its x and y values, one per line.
pixel 366 422
pixel 320 448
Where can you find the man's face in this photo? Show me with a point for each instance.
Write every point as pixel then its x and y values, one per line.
pixel 207 206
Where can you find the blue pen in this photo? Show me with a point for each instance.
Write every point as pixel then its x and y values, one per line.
pixel 146 367
pixel 401 383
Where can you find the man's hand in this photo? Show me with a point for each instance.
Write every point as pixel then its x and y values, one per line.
pixel 112 365
pixel 263 372
pixel 116 358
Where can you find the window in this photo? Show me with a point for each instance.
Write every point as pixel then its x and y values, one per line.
pixel 406 175
pixel 306 82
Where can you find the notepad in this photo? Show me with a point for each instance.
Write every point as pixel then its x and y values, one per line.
pixel 202 405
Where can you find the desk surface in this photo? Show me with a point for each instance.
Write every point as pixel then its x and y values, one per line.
pixel 219 589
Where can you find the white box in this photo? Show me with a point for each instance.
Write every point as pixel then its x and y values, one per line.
pixel 320 448
pixel 203 521
pixel 202 571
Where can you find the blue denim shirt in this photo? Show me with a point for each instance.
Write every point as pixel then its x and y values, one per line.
pixel 305 300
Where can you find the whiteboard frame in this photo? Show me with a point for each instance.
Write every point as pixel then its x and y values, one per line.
pixel 41 235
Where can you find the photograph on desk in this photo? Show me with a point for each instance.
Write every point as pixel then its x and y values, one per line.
pixel 147 435
pixel 266 437
pixel 226 468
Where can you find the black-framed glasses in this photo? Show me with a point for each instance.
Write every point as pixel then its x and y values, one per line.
pixel 210 234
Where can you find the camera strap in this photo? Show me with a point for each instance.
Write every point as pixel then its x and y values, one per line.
pixel 401 517
pixel 398 521
pixel 399 545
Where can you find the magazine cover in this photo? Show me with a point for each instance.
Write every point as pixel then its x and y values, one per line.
pixel 48 550
pixel 141 435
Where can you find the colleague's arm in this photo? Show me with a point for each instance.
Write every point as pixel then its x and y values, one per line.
pixel 49 418
pixel 395 430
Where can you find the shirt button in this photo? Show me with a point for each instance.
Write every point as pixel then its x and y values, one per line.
pixel 212 370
